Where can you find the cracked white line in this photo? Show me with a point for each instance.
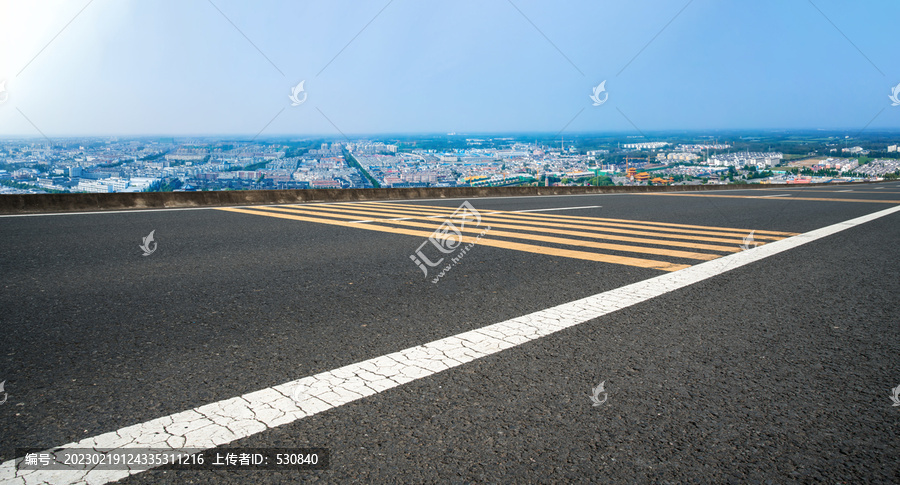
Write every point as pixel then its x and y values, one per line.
pixel 225 421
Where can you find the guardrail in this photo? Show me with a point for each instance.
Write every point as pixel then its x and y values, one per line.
pixel 42 203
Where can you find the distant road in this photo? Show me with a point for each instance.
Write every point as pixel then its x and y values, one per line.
pixel 315 325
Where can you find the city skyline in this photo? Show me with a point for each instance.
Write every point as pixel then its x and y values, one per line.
pixel 221 68
pixel 147 164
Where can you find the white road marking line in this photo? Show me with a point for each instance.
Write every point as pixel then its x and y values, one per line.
pixel 394 218
pixel 222 422
pixel 848 190
pixel 561 208
pixel 399 202
pixel 484 212
pixel 382 220
pixel 779 195
pixel 125 211
pixel 132 211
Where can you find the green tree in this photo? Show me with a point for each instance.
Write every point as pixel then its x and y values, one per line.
pixel 600 181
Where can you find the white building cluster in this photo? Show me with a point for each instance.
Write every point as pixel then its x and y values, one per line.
pixel 741 159
pixel 116 184
pixel 840 164
pixel 369 148
pixel 653 145
pixel 679 157
pixel 879 168
pixel 702 147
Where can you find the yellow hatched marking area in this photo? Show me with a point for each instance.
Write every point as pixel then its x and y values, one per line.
pixel 655 245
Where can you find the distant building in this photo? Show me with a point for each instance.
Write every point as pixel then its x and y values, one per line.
pixel 373 148
pixel 701 147
pixel 653 145
pixel 112 184
pixel 325 184
pixel 422 177
pixel 579 174
pixel 757 159
pixel 187 154
pixel 93 186
pixel 682 156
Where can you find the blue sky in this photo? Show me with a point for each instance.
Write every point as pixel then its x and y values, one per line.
pixel 180 67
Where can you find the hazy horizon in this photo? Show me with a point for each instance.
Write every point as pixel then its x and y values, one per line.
pixel 650 134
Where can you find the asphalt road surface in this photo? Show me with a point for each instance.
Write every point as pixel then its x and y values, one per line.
pixel 776 369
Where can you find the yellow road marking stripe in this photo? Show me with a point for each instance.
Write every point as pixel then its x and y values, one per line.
pixel 550 221
pixel 549 224
pixel 663 232
pixel 566 253
pixel 560 240
pixel 593 235
pixel 355 215
pixel 586 218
